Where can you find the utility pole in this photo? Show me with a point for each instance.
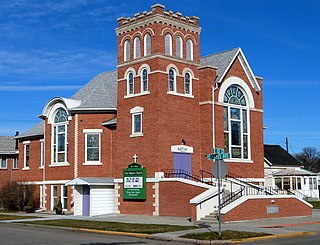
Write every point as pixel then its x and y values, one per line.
pixel 287 144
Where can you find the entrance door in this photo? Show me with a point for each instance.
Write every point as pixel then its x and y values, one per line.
pixel 182 161
pixel 86 200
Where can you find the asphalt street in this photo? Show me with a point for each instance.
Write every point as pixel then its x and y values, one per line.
pixel 17 234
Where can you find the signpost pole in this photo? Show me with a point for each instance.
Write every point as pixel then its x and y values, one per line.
pixel 219 197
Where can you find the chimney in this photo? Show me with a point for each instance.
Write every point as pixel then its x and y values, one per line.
pixel 157 8
pixel 17 141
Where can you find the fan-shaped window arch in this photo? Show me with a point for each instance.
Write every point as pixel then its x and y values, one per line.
pixel 168 44
pixel 60 137
pixel 236 126
pixel 189 49
pixel 137 47
pixel 147 44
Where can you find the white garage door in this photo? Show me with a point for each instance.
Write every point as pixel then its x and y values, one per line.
pixel 102 200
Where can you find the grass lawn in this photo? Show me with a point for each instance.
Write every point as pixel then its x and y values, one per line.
pixel 225 235
pixel 14 217
pixel 114 226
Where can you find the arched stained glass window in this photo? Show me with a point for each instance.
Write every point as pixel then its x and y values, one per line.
pixel 179 47
pixel 187 83
pixel 60 137
pixel 144 80
pixel 168 44
pixel 137 47
pixel 130 86
pixel 127 50
pixel 172 80
pixel 236 128
pixel 189 49
pixel 147 44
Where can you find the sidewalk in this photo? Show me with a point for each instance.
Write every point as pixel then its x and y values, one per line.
pixel 289 226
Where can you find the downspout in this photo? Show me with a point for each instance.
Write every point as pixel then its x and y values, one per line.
pixel 214 88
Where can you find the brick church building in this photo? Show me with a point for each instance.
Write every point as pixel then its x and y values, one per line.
pixel 165 108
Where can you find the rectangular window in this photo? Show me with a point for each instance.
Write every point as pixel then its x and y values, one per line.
pixel 41 153
pixel 92 147
pixel 42 196
pixel 26 163
pixel 54 196
pixel 15 162
pixel 3 163
pixel 64 197
pixel 137 123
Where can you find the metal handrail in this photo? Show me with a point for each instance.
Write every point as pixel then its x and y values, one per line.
pixel 180 173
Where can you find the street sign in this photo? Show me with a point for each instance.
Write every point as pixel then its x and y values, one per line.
pixel 223 168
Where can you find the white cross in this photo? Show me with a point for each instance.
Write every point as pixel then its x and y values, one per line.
pixel 135 157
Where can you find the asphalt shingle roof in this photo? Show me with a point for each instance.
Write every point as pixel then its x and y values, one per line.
pixel 100 92
pixel 7 145
pixel 36 130
pixel 276 155
pixel 220 60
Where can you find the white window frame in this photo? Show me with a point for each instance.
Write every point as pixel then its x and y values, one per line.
pixel 54 136
pixel 136 51
pixel 126 54
pixel 53 203
pixel 136 111
pixel 15 163
pixel 228 107
pixel 63 198
pixel 6 162
pixel 88 132
pixel 168 49
pixel 179 47
pixel 42 196
pixel 41 153
pixel 26 165
pixel 189 47
pixel 146 50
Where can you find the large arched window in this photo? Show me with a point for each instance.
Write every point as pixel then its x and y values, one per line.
pixel 130 84
pixel 172 80
pixel 127 50
pixel 144 80
pixel 179 47
pixel 60 137
pixel 147 44
pixel 137 47
pixel 187 83
pixel 168 44
pixel 236 128
pixel 189 49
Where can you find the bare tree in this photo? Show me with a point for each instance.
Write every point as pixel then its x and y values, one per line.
pixel 309 158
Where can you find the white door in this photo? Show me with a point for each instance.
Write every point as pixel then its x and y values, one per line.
pixel 101 200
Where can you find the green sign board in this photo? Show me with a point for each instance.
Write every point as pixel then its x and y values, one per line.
pixel 218 154
pixel 134 182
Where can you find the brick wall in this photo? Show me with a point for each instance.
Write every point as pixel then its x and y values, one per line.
pixel 257 209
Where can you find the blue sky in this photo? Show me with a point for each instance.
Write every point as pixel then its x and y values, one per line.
pixel 52 48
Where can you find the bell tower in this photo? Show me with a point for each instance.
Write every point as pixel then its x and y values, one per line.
pixel 158 86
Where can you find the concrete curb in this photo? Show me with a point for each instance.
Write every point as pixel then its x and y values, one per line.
pixel 261 238
pixel 118 233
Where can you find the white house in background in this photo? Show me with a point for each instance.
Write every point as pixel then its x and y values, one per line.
pixel 283 171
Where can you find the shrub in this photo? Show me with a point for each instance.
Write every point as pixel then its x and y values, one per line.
pixel 14 196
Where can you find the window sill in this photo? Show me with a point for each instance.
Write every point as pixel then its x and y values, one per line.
pixel 179 94
pixel 42 167
pixel 136 135
pixel 136 95
pixel 59 164
pixel 238 160
pixel 26 168
pixel 3 168
pixel 92 163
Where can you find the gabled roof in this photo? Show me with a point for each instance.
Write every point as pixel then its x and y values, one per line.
pixel 277 156
pixel 91 181
pixel 35 131
pixel 99 93
pixel 289 172
pixel 7 145
pixel 224 60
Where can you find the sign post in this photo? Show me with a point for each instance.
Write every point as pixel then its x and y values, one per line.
pixel 219 170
